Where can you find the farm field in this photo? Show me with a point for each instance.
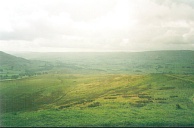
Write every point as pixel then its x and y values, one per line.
pixel 58 99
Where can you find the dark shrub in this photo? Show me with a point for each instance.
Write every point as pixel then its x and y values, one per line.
pixel 178 106
pixel 137 104
pixel 94 104
pixel 173 96
pixel 110 97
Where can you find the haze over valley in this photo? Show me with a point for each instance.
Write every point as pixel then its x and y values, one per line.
pixel 96 63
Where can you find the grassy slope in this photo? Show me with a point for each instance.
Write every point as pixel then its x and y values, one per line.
pixel 98 100
pixel 91 96
pixel 12 67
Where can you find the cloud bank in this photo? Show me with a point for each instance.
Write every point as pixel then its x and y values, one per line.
pixel 96 25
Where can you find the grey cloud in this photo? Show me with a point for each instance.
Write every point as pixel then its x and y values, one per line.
pixel 82 10
pixel 30 33
pixel 100 24
pixel 171 2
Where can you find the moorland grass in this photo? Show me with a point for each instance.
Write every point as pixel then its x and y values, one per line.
pixel 98 100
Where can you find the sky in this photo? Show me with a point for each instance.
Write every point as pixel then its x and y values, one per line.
pixel 96 25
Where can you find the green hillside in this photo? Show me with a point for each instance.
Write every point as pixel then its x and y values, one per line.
pixel 12 67
pixel 98 100
pixel 153 88
pixel 7 59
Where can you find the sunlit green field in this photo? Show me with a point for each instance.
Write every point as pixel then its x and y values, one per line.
pixel 98 100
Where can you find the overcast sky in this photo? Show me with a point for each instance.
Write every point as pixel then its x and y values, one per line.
pixel 96 25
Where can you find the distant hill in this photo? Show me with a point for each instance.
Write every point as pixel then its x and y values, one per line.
pixel 14 67
pixel 176 62
pixel 180 61
pixel 7 59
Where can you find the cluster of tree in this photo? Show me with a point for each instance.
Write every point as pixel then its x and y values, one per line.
pixel 4 77
pixel 28 74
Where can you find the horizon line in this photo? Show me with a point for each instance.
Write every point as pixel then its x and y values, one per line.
pixel 88 51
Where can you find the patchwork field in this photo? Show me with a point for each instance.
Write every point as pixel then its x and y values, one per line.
pixel 58 99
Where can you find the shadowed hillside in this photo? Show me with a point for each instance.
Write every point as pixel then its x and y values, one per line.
pixel 7 59
pixel 12 67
